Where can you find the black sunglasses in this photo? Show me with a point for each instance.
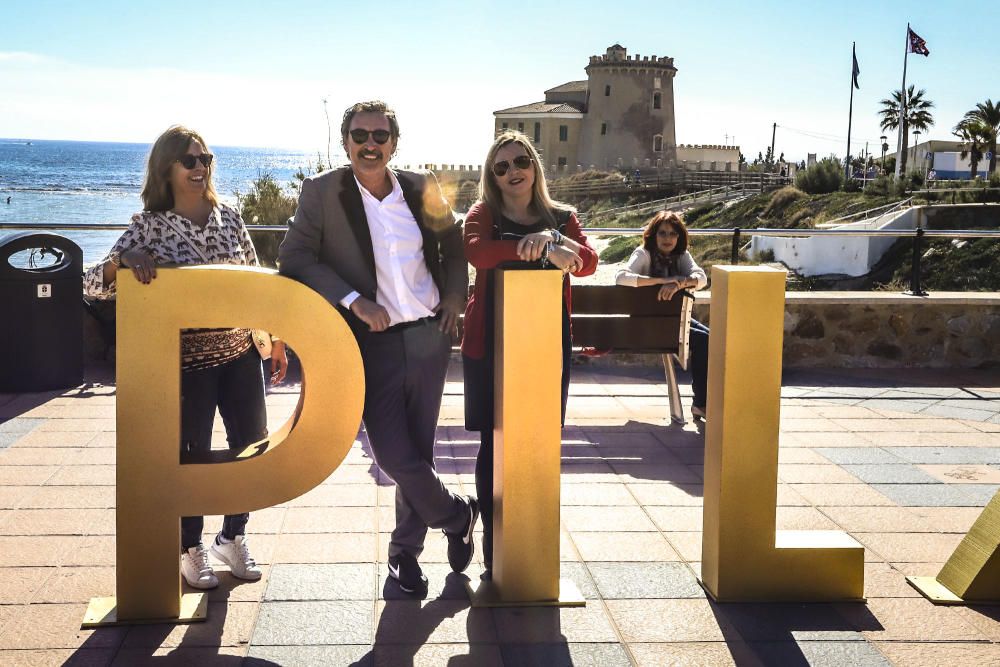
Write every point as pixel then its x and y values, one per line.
pixel 360 136
pixel 188 161
pixel 502 167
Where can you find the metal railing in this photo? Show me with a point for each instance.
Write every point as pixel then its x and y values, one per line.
pixel 886 209
pixel 737 234
pixel 918 235
pixel 720 193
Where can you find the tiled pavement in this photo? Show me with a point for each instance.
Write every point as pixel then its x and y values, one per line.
pixel 903 461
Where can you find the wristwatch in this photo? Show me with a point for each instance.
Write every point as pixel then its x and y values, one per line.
pixel 557 238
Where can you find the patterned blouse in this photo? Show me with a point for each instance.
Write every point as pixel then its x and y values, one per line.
pixel 224 240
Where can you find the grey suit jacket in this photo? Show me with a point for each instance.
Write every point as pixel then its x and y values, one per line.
pixel 328 245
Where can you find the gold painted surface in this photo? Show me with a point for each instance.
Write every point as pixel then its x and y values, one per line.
pixel 154 489
pixel 103 612
pixel 527 435
pixel 972 573
pixel 744 557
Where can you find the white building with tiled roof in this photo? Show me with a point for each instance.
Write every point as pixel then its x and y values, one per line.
pixel 622 115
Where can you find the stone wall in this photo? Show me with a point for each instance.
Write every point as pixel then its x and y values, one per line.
pixel 887 330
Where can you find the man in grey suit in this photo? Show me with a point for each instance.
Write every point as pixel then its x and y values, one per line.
pixel 384 247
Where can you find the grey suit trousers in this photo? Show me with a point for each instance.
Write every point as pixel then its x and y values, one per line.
pixel 404 379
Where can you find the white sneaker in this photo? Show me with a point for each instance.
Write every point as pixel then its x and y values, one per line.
pixel 236 555
pixel 196 570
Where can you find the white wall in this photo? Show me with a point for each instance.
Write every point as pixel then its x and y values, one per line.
pixel 842 255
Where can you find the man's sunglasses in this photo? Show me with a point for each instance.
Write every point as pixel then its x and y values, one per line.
pixel 188 161
pixel 360 136
pixel 502 167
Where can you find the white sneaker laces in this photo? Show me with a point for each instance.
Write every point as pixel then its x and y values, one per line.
pixel 199 558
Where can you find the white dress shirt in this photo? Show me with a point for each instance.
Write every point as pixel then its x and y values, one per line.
pixel 405 287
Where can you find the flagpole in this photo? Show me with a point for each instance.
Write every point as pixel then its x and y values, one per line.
pixel 902 108
pixel 850 115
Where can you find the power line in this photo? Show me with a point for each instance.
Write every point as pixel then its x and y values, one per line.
pixel 824 136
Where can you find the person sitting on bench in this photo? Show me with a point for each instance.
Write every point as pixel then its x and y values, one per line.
pixel 663 259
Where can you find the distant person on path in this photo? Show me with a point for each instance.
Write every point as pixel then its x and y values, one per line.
pixel 663 259
pixel 8 200
pixel 384 246
pixel 515 220
pixel 184 223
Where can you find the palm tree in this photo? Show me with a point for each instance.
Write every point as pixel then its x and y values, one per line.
pixel 918 115
pixel 975 136
pixel 988 114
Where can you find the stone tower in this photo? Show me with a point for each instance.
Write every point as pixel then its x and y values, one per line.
pixel 629 119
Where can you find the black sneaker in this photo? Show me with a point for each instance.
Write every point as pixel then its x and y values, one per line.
pixel 407 573
pixel 460 545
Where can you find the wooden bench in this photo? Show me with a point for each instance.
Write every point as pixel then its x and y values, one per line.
pixel 631 319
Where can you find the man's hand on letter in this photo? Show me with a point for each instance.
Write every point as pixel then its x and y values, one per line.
pixel 451 307
pixel 279 362
pixel 372 314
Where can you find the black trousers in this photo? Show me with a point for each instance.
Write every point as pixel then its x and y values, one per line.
pixel 698 340
pixel 236 389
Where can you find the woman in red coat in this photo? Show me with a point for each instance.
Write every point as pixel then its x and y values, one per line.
pixel 515 222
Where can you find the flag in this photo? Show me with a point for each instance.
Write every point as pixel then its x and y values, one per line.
pixel 857 70
pixel 917 44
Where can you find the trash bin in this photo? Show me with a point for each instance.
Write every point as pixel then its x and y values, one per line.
pixel 41 323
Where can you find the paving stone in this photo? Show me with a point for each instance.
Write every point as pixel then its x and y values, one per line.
pixel 841 495
pixel 55 626
pixel 904 473
pixel 433 655
pixel 623 581
pixel 326 548
pixel 681 620
pixel 676 518
pixel 916 619
pixel 940 455
pixel 595 494
pixel 228 624
pixel 618 546
pixel 357 655
pixel 565 655
pixel 929 495
pixel 911 547
pixel 963 473
pixel 441 582
pixel 694 654
pixel 434 621
pixel 858 455
pixel 967 411
pixel 547 625
pixel 665 493
pixel 930 654
pixel 20 425
pixel 314 623
pixel 329 520
pixel 8 439
pixel 819 653
pixel 606 518
pixel 980 494
pixel 341 581
pixel 82 657
pixel 787 621
pixel 877 519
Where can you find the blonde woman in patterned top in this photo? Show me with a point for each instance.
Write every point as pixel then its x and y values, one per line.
pixel 184 223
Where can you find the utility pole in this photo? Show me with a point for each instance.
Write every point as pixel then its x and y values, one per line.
pixel 774 128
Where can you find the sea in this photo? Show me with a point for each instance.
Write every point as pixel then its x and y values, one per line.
pixel 100 182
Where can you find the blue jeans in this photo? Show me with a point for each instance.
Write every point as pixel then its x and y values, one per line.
pixel 698 362
pixel 236 388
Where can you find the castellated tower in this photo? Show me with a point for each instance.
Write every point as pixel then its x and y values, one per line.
pixel 621 116
pixel 629 120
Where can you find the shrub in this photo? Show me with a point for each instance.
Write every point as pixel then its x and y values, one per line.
pixel 266 204
pixel 620 248
pixel 782 199
pixel 880 187
pixel 825 176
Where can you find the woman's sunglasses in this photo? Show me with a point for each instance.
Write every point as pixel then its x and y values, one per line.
pixel 360 136
pixel 502 167
pixel 188 161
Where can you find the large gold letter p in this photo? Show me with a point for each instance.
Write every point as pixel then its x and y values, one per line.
pixel 154 489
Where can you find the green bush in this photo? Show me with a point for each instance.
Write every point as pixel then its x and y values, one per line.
pixel 267 203
pixel 782 199
pixel 620 248
pixel 881 186
pixel 825 176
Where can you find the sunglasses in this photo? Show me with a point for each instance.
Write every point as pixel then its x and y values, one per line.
pixel 188 161
pixel 502 167
pixel 360 136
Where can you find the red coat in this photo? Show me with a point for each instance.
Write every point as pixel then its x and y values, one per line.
pixel 484 253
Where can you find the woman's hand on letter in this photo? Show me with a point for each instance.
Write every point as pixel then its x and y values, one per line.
pixel 141 263
pixel 532 247
pixel 565 259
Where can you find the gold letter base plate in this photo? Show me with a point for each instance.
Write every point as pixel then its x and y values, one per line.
pixel 938 593
pixel 487 594
pixel 103 612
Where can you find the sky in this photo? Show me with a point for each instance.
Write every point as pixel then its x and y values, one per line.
pixel 256 73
